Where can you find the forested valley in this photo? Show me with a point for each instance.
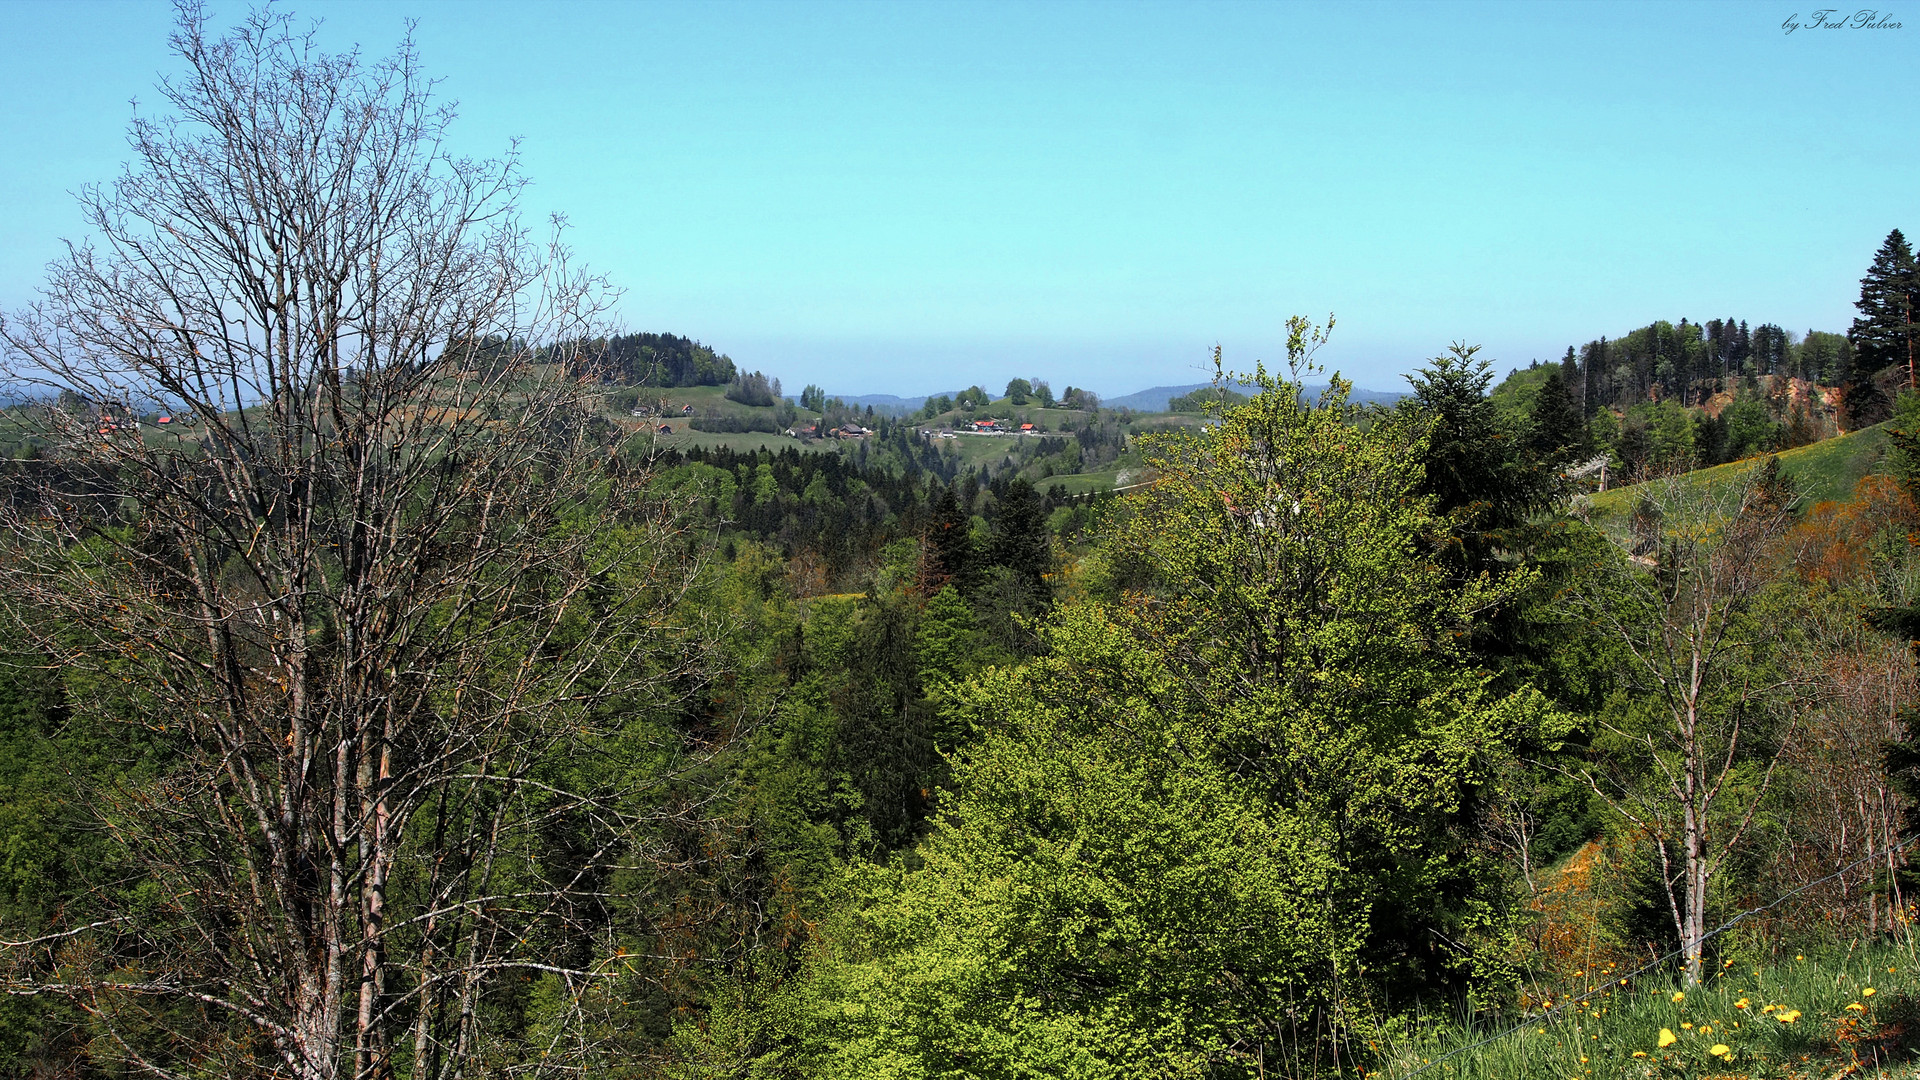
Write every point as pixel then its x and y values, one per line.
pixel 409 675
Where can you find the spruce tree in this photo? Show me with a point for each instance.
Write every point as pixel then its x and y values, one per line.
pixel 1558 430
pixel 1862 403
pixel 950 539
pixel 1884 333
pixel 1022 543
pixel 1572 378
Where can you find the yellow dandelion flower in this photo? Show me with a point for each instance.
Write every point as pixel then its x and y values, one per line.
pixel 1678 996
pixel 1667 1038
pixel 1720 1049
pixel 1789 1016
pixel 1742 1003
pixel 1868 992
pixel 1706 1030
pixel 1688 1026
pixel 1799 956
pixel 1639 1053
pixel 1769 1008
pixel 1856 1007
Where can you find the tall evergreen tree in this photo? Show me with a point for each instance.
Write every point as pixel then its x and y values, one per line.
pixel 1473 468
pixel 1558 430
pixel 1885 333
pixel 1021 542
pixel 1594 368
pixel 1862 402
pixel 950 539
pixel 1572 378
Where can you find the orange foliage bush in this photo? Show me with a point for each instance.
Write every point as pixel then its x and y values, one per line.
pixel 1835 542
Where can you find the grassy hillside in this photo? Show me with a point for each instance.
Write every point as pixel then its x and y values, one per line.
pixel 1824 470
pixel 1811 1017
pixel 746 442
pixel 704 399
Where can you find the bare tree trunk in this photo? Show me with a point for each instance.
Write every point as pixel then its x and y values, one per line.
pixel 1684 624
pixel 394 566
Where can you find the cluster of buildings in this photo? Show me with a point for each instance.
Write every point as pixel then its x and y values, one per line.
pixel 844 431
pixel 1001 427
pixel 664 410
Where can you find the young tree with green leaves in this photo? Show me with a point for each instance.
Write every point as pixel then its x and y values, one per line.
pixel 1221 811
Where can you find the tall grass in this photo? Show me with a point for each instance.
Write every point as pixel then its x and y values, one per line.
pixel 1855 1010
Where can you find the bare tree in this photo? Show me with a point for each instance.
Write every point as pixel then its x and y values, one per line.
pixel 1845 807
pixel 1681 602
pixel 377 587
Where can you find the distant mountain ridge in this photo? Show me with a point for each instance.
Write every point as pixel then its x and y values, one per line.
pixel 892 404
pixel 1155 399
pixel 1152 399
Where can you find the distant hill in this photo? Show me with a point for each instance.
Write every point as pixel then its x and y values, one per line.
pixel 1152 399
pixel 890 404
pixel 1155 399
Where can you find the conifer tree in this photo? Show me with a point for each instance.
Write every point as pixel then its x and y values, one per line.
pixel 1558 429
pixel 1474 469
pixel 1884 333
pixel 1862 404
pixel 950 537
pixel 1022 543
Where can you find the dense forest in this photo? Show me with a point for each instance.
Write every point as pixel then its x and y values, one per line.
pixel 664 360
pixel 1692 361
pixel 384 713
pixel 1671 397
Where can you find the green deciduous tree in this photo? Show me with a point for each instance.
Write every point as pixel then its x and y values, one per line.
pixel 1220 811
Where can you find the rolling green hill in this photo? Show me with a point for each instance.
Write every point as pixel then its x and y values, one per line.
pixel 1825 470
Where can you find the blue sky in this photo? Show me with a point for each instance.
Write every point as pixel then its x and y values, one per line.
pixel 893 197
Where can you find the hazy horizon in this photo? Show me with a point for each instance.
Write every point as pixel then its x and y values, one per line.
pixel 896 197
